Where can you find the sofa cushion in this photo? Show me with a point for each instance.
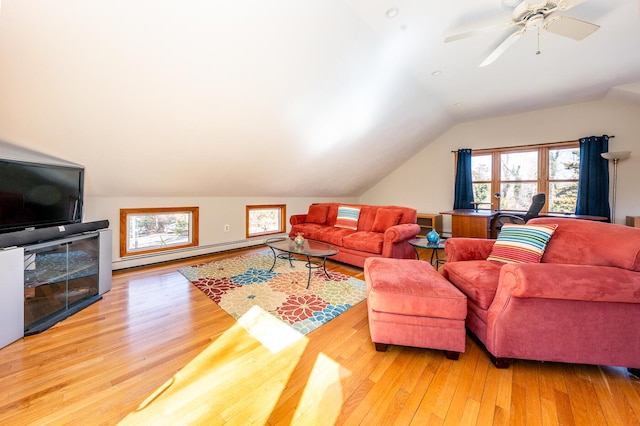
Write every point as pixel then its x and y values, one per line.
pixel 386 218
pixel 585 242
pixel 317 214
pixel 521 243
pixel 310 231
pixel 333 235
pixel 370 242
pixel 348 217
pixel 477 279
pixel 366 218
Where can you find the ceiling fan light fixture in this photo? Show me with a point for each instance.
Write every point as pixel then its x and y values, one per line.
pixel 392 12
pixel 536 20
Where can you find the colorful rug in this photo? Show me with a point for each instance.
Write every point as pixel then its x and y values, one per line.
pixel 238 283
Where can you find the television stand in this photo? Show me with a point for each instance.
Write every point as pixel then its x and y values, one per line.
pixel 44 283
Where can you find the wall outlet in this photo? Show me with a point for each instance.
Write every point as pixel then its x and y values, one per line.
pixel 226 228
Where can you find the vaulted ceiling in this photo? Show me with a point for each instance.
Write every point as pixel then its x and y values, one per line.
pixel 287 98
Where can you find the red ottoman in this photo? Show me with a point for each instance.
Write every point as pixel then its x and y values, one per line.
pixel 411 304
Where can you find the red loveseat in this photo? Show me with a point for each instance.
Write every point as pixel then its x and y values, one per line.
pixel 581 304
pixel 382 231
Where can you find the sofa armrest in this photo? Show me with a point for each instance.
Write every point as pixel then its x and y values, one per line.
pixel 570 282
pixel 459 249
pixel 402 232
pixel 396 241
pixel 296 219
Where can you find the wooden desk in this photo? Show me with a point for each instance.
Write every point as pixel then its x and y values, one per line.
pixel 472 223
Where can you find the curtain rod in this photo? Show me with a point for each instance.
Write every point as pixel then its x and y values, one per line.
pixel 527 146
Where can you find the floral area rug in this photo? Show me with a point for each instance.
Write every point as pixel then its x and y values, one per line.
pixel 239 283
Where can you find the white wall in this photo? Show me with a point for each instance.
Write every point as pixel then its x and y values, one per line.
pixel 426 181
pixel 215 212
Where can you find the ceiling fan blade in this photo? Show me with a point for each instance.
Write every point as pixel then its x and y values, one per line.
pixel 477 28
pixel 502 47
pixel 569 27
pixel 569 4
pixel 534 4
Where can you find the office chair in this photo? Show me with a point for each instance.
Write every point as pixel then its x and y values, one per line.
pixel 537 201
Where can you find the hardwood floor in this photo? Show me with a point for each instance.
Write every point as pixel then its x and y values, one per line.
pixel 99 365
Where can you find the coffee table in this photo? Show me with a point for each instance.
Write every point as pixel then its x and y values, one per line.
pixel 425 244
pixel 288 248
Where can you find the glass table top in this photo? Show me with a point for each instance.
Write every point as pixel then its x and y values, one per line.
pixel 424 243
pixel 309 248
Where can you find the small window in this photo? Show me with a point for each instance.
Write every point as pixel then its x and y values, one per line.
pixel 149 230
pixel 266 219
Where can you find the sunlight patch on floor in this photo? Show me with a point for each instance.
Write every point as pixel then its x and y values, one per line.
pixel 322 398
pixel 240 377
pixel 268 330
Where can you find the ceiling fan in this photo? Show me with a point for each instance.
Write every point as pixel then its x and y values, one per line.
pixel 533 14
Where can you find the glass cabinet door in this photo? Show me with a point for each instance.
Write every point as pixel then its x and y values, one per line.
pixel 57 276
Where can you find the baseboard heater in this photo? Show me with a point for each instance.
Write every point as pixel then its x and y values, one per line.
pixel 184 253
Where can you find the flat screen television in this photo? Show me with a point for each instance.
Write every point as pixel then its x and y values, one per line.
pixel 34 195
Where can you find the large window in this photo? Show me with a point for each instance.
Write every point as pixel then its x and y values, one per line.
pixel 507 178
pixel 149 230
pixel 266 219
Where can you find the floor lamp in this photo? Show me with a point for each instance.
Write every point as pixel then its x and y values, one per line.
pixel 616 157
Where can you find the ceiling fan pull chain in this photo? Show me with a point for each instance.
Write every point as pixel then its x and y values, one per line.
pixel 538 51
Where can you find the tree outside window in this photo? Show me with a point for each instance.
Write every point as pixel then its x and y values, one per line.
pixel 518 179
pixel 481 178
pixel 564 170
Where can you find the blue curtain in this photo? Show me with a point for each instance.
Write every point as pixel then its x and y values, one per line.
pixel 464 188
pixel 593 183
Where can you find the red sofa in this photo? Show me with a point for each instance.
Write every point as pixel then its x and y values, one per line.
pixel 382 231
pixel 581 304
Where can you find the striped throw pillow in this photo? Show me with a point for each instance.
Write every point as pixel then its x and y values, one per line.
pixel 348 217
pixel 521 243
